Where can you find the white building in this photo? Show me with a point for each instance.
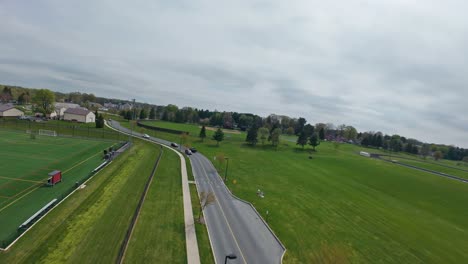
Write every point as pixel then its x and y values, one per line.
pixel 8 110
pixel 79 115
pixel 60 108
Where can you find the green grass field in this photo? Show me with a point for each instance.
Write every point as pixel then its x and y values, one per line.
pixel 159 235
pixel 342 207
pixel 90 225
pixel 24 168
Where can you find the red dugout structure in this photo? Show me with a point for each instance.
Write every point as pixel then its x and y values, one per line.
pixel 54 177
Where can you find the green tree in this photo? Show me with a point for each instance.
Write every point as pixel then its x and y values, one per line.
pixel 350 133
pixel 290 131
pixel 252 135
pixel 24 98
pixel 152 113
pixel 322 133
pixel 309 130
pixel 314 141
pixel 143 114
pixel 99 121
pixel 302 139
pixel 438 155
pixel 425 150
pixel 275 137
pixel 218 136
pixel 300 125
pixel 202 133
pixel 264 132
pixel 44 100
pixel 129 115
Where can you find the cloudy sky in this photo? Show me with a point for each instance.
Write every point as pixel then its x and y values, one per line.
pixel 396 66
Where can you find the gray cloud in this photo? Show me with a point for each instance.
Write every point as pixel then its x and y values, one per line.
pixel 391 66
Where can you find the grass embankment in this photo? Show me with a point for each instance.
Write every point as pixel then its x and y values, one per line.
pixel 341 206
pixel 90 225
pixel 159 235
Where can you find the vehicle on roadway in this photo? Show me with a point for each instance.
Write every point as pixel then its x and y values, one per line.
pixel 146 136
pixel 174 145
pixel 194 150
pixel 188 152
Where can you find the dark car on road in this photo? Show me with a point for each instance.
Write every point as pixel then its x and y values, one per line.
pixel 194 150
pixel 174 145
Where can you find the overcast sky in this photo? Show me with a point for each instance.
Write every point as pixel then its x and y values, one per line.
pixel 396 66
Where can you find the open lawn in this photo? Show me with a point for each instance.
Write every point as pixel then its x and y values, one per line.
pixel 89 226
pixel 24 168
pixel 342 207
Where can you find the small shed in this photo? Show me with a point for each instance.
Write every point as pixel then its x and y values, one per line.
pixel 54 177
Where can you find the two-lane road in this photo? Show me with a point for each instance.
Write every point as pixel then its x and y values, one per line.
pixel 233 225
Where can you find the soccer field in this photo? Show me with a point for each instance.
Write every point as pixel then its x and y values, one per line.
pixel 24 167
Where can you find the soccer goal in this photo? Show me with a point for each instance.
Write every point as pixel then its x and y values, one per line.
pixel 44 132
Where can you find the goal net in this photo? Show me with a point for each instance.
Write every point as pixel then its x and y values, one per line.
pixel 44 132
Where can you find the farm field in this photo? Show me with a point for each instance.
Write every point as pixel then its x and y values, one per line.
pixel 24 171
pixel 89 227
pixel 342 206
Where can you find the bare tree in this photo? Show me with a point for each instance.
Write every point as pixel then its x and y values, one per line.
pixel 206 198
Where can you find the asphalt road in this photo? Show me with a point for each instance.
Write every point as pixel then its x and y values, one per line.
pixel 233 225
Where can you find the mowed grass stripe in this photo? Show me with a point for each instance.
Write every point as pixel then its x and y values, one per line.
pixel 159 235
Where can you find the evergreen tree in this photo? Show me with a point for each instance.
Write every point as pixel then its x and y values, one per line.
pixel 322 134
pixel 143 114
pixel 218 136
pixel 152 114
pixel 252 135
pixel 302 139
pixel 314 141
pixel 129 115
pixel 99 121
pixel 202 133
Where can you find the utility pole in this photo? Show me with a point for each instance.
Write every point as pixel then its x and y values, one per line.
pixel 227 164
pixel 131 126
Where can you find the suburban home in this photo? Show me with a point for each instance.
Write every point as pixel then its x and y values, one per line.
pixel 8 110
pixel 60 108
pixel 79 115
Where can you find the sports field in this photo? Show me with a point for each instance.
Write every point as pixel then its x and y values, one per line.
pixel 25 163
pixel 340 207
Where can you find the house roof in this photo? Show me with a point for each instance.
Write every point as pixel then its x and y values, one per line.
pixel 5 107
pixel 66 105
pixel 77 111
